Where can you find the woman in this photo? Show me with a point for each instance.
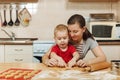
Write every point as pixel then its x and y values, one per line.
pixel 83 40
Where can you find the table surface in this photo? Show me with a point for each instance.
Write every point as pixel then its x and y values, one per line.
pixel 55 73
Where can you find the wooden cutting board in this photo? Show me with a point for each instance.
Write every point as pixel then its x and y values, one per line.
pixel 90 68
pixel 24 17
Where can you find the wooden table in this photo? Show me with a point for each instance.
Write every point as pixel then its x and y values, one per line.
pixel 55 71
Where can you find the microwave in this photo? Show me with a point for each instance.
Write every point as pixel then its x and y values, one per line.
pixel 105 30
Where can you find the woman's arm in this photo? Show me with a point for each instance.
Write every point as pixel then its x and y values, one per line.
pixel 100 56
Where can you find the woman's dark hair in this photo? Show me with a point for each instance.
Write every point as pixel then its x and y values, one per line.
pixel 79 19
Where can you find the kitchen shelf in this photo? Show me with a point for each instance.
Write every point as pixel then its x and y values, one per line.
pixel 92 0
pixel 18 1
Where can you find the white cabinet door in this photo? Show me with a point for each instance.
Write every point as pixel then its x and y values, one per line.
pixel 1 53
pixel 18 53
pixel 112 51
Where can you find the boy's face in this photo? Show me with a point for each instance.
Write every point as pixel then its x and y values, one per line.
pixel 61 39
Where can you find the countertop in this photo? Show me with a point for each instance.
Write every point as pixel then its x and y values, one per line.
pixel 29 41
pixel 55 73
pixel 17 41
pixel 108 42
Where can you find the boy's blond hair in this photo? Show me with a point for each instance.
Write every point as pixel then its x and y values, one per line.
pixel 60 27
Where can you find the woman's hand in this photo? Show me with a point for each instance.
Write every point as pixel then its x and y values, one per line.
pixel 81 63
pixel 51 62
pixel 71 63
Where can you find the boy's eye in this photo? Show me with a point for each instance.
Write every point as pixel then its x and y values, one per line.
pixel 59 38
pixel 65 38
pixel 62 38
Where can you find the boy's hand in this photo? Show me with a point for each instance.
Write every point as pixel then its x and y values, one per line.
pixel 61 62
pixel 52 62
pixel 71 63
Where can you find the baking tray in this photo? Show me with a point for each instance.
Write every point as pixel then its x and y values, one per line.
pixel 18 74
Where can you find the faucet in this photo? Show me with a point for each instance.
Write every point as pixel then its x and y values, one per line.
pixel 12 36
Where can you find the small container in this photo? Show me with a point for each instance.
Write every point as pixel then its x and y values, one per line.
pixel 115 67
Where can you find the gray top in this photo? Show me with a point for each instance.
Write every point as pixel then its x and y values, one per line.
pixel 85 47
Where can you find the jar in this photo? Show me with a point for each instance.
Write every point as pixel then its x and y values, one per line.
pixel 115 67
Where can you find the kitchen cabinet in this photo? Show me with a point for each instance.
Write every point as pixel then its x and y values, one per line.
pixel 18 53
pixel 93 0
pixel 1 53
pixel 18 1
pixel 111 51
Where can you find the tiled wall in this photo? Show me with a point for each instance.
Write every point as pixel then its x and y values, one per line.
pixel 46 14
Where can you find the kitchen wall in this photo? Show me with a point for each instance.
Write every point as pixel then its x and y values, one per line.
pixel 46 14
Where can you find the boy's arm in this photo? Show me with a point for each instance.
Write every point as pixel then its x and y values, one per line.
pixel 45 57
pixel 73 61
pixel 47 60
pixel 55 56
pixel 60 61
pixel 76 56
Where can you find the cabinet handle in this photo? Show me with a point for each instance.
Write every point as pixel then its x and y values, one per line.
pixel 18 59
pixel 18 49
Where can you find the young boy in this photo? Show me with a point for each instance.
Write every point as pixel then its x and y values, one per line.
pixel 64 53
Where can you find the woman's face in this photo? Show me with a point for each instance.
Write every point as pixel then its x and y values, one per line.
pixel 75 32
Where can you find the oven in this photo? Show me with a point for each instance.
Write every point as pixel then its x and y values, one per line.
pixel 40 48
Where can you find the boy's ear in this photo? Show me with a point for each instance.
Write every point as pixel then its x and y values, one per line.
pixel 54 37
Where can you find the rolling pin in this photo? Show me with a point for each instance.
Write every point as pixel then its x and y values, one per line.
pixel 97 66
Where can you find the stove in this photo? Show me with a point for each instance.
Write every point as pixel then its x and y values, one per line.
pixel 40 48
